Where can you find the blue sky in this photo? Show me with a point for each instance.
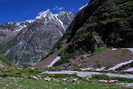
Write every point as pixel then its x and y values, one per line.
pixel 20 10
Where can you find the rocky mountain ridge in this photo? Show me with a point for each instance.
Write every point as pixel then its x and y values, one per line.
pixel 33 39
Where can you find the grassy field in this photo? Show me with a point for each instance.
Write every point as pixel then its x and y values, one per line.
pixel 19 83
pixel 23 79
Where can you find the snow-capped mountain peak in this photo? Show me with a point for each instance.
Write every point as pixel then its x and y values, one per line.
pixel 30 21
pixel 48 17
pixel 61 19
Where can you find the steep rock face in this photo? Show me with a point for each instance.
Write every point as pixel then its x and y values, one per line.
pixel 38 38
pixel 101 23
pixel 8 32
pixel 65 17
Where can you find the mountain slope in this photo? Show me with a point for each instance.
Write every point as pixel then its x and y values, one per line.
pixel 38 37
pixel 111 20
pixel 8 32
pixel 5 64
pixel 102 23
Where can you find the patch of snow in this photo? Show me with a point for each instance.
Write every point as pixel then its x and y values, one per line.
pixel 108 81
pixel 17 24
pixel 47 79
pixel 20 28
pixel 87 69
pixel 129 76
pixel 60 72
pixel 93 69
pixel 103 81
pixel 52 18
pixel 100 69
pixel 130 85
pixel 90 74
pixel 83 6
pixel 120 65
pixel 43 14
pixel 30 21
pixel 131 49
pixel 114 48
pixel 34 77
pixel 54 61
pixel 75 79
pixel 56 15
pixel 86 74
pixel 60 22
pixel 17 63
pixel 129 70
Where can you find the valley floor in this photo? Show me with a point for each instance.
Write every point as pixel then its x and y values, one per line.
pixel 42 79
pixel 19 83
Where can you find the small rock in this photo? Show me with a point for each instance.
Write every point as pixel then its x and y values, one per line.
pixel 35 77
pixel 113 81
pixel 103 81
pixel 47 79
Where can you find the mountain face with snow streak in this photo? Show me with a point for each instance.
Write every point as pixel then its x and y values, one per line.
pixel 36 39
pixel 9 31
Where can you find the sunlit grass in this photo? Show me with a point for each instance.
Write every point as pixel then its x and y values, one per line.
pixel 17 83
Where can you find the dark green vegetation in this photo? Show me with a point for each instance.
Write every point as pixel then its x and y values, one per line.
pixel 19 72
pixel 123 79
pixel 66 56
pixel 4 61
pixel 100 50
